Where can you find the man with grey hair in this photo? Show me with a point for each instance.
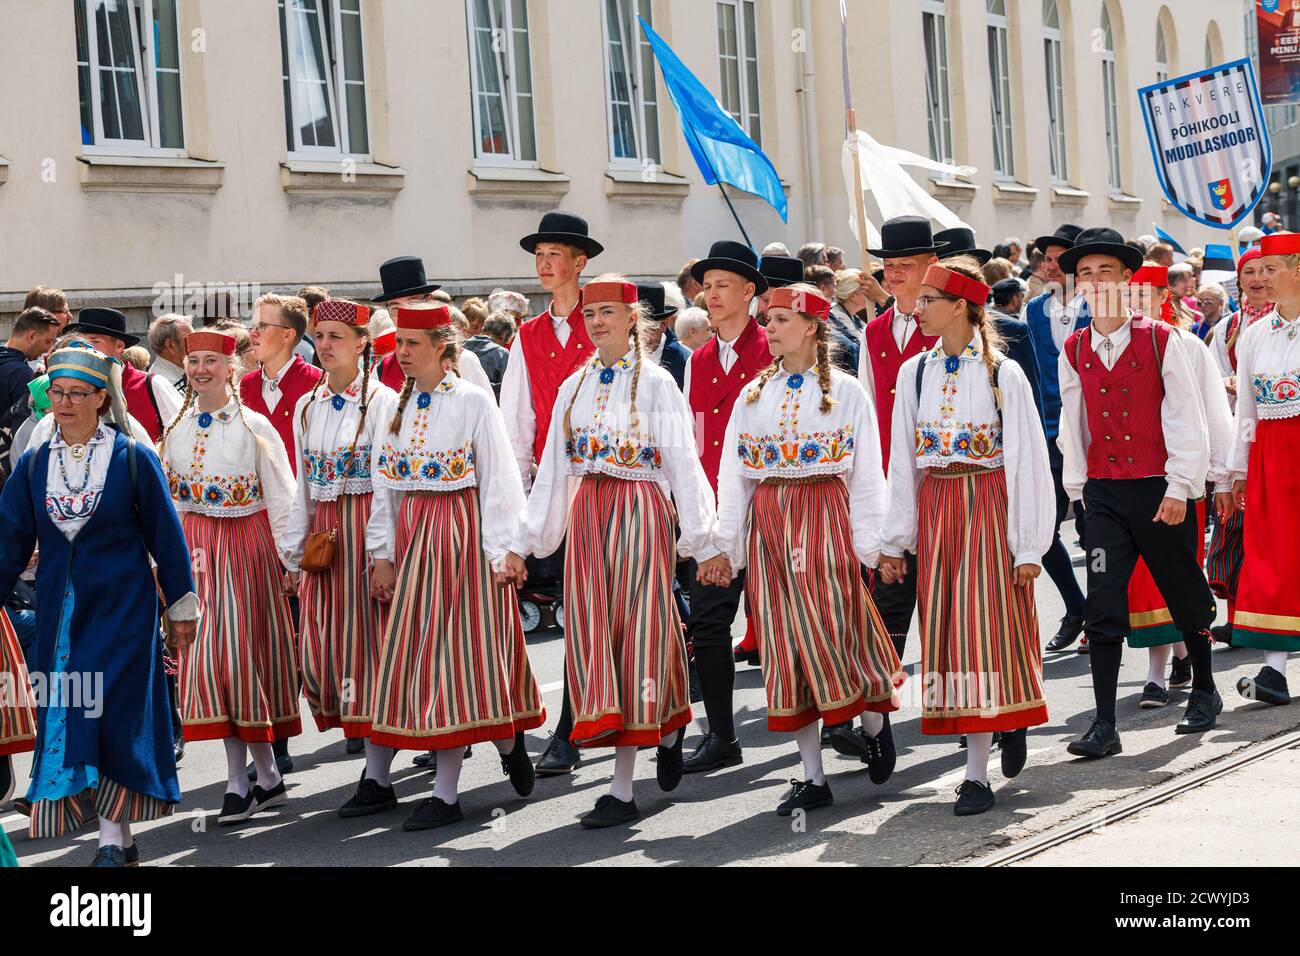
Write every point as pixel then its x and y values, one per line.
pixel 776 249
pixel 693 328
pixel 813 254
pixel 167 342
pixel 1017 249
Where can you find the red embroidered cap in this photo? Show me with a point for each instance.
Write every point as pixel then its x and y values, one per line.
pixel 954 283
pixel 409 317
pixel 1280 244
pixel 340 310
pixel 594 293
pixel 209 342
pixel 783 297
pixel 1150 275
pixel 1250 255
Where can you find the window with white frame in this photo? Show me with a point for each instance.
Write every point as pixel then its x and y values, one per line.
pixel 501 81
pixel 1162 55
pixel 938 115
pixel 322 68
pixel 630 83
pixel 1110 102
pixel 1000 83
pixel 129 75
pixel 738 64
pixel 1055 90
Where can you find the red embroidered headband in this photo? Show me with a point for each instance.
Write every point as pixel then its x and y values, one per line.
pixel 1250 255
pixel 423 319
pixel 954 283
pixel 1280 244
pixel 594 293
pixel 340 310
pixel 209 342
pixel 1151 275
pixel 783 297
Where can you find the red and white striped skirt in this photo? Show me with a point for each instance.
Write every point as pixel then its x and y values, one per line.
pixel 1223 559
pixel 1149 621
pixel 342 629
pixel 624 650
pixel 110 800
pixel 1268 598
pixel 825 651
pixel 981 666
pixel 240 676
pixel 453 669
pixel 17 706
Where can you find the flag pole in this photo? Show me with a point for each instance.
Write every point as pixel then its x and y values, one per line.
pixel 851 133
pixel 714 173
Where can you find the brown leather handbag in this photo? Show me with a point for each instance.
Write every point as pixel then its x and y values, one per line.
pixel 318 553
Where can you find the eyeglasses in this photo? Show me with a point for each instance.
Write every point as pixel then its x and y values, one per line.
pixel 263 326
pixel 74 397
pixel 923 301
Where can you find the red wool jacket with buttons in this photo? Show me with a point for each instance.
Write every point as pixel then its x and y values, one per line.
pixel 886 360
pixel 714 392
pixel 300 378
pixel 548 364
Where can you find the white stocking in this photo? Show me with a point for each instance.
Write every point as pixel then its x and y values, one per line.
pixel 379 760
pixel 977 757
pixel 624 770
pixel 1157 661
pixel 872 722
pixel 1276 660
pixel 446 787
pixel 809 740
pixel 268 774
pixel 236 757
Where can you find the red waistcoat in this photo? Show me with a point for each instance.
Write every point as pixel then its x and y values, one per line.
pixel 1126 440
pixel 714 392
pixel 300 378
pixel 548 364
pixel 139 402
pixel 886 360
pixel 391 374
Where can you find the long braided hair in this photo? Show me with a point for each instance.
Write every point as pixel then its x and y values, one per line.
pixel 640 315
pixel 365 366
pixel 977 314
pixel 822 339
pixel 450 337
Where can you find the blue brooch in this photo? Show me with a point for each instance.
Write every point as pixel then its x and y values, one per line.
pixel 606 376
pixel 205 420
pixel 795 381
pixel 423 399
pixel 337 402
pixel 951 364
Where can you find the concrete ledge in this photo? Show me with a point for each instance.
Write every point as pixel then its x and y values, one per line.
pixel 1069 196
pixel 633 184
pixel 149 174
pixel 1014 193
pixel 1122 202
pixel 4 170
pixel 341 178
pixel 953 190
pixel 517 183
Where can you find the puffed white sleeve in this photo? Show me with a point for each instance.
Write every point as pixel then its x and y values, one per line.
pixel 517 410
pixel 543 519
pixel 1218 346
pixel 868 496
pixel 501 491
pixel 277 480
pixel 1247 411
pixel 692 494
pixel 1031 496
pixel 735 493
pixel 381 526
pixel 471 370
pixel 1182 420
pixel 300 513
pixel 1218 415
pixel 168 398
pixel 1072 434
pixel 899 535
pixel 865 377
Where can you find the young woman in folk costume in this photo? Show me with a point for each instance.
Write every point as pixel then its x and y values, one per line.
pixel 453 669
pixel 230 480
pixel 1224 555
pixel 801 498
pixel 971 492
pixel 623 427
pixel 1266 475
pixel 1150 623
pixel 342 627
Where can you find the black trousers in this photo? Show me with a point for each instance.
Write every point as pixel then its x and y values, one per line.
pixel 1056 562
pixel 713 610
pixel 896 602
pixel 1117 515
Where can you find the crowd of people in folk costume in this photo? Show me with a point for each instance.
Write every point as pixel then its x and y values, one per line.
pixel 841 449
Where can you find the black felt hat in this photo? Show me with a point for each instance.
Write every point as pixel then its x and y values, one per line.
pixel 565 227
pixel 961 242
pixel 1064 236
pixel 652 294
pixel 103 322
pixel 1099 242
pixel 781 270
pixel 401 277
pixel 732 257
pixel 907 236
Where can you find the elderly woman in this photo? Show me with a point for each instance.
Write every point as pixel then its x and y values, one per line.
pixel 96 503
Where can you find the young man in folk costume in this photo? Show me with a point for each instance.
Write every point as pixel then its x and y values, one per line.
pixel 717 373
pixel 1134 449
pixel 889 340
pixel 545 351
pixel 283 376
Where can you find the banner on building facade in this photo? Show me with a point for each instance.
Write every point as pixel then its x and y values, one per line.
pixel 1277 25
pixel 1209 142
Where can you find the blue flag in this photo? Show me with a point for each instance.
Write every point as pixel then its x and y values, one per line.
pixel 1165 237
pixel 722 150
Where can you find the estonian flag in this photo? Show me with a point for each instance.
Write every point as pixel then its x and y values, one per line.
pixel 1165 237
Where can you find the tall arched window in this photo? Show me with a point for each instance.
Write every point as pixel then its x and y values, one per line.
pixel 1162 54
pixel 1000 84
pixel 1110 100
pixel 937 114
pixel 1055 90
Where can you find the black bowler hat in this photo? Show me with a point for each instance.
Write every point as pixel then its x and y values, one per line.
pixel 401 277
pixel 565 227
pixel 103 322
pixel 652 295
pixel 961 242
pixel 732 257
pixel 907 236
pixel 1064 236
pixel 1099 242
pixel 781 270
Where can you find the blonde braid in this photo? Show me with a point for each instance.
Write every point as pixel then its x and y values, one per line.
pixel 824 366
pixel 366 358
pixel 189 403
pixel 764 377
pixel 568 411
pixel 634 336
pixel 239 408
pixel 395 425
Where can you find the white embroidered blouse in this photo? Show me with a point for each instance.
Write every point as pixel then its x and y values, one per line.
pixel 603 442
pixel 1268 381
pixel 451 438
pixel 785 434
pixel 956 422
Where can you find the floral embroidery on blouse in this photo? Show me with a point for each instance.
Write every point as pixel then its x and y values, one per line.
pixel 70 507
pixel 945 437
pixel 237 494
pixel 1276 390
pixel 790 450
pixel 622 450
pixel 443 470
pixel 323 469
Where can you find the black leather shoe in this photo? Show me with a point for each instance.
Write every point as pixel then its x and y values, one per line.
pixel 1066 634
pixel 559 757
pixel 369 798
pixel 1153 696
pixel 178 749
pixel 1203 709
pixel 132 853
pixel 713 753
pixel 428 760
pixel 266 799
pixel 610 811
pixel 846 740
pixel 519 767
pixel 1101 740
pixel 1180 674
pixel 355 745
pixel 746 657
pixel 1222 634
pixel 668 763
pixel 236 809
pixel 1013 749
pixel 1268 685
pixel 804 795
pixel 881 754
pixel 432 812
pixel 109 856
pixel 973 797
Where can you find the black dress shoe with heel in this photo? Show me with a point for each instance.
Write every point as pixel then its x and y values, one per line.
pixel 1101 740
pixel 668 763
pixel 1202 714
pixel 559 757
pixel 518 766
pixel 713 753
pixel 804 795
pixel 1069 631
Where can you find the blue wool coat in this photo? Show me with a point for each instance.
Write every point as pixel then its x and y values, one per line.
pixel 114 628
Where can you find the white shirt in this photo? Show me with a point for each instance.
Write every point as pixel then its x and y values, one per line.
pixel 46 427
pixel 168 398
pixel 902 327
pixel 1268 381
pixel 657 356
pixel 327 464
pixel 271 386
pixel 451 438
pixel 170 371
pixel 956 422
pixel 785 434
pixel 661 448
pixel 1181 417
pixel 1214 407
pixel 727 353
pixel 1063 317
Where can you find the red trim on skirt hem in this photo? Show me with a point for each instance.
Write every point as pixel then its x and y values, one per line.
pixel 504 730
pixel 608 731
pixel 1014 720
pixel 352 729
pixel 12 747
pixel 220 730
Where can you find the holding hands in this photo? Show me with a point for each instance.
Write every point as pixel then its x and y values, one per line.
pixel 892 570
pixel 716 571
pixel 513 573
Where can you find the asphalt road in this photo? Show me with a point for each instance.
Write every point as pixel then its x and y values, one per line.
pixel 723 818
